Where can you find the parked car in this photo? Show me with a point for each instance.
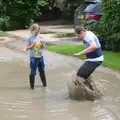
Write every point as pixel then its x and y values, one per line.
pixel 88 10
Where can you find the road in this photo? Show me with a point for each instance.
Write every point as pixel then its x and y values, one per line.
pixel 19 102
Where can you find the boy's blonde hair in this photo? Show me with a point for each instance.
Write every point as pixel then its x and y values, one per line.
pixel 35 28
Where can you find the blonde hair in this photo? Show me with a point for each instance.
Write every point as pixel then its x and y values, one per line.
pixel 35 28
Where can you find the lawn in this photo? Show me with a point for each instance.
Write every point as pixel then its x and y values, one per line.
pixel 2 32
pixel 112 59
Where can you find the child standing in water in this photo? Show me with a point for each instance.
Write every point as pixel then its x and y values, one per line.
pixel 35 46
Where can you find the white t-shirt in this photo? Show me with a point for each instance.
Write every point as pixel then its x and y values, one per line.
pixel 90 36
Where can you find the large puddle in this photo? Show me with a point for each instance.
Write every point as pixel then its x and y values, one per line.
pixel 18 102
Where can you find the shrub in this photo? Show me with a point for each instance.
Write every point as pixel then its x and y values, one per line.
pixel 20 13
pixel 4 23
pixel 112 42
pixel 110 24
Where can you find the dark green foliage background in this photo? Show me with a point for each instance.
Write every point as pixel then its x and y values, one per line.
pixel 111 24
pixel 17 14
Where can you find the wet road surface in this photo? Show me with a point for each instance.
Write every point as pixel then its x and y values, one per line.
pixel 19 102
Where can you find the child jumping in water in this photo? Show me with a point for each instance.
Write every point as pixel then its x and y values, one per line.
pixel 92 51
pixel 34 46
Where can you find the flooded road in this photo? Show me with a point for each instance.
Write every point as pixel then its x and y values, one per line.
pixel 19 102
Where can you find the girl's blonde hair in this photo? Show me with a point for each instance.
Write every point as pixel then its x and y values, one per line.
pixel 35 28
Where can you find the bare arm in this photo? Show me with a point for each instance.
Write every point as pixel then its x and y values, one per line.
pixel 29 46
pixel 91 48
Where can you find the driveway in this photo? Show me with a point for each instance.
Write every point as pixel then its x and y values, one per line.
pixel 19 102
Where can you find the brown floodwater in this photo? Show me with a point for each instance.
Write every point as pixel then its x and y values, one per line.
pixel 19 102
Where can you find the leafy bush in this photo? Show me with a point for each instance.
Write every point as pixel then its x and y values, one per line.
pixel 110 24
pixel 112 42
pixel 4 23
pixel 20 13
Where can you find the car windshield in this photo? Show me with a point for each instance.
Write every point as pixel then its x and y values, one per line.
pixel 82 7
pixel 90 8
pixel 86 7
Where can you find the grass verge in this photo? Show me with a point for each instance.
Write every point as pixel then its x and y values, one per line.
pixel 2 32
pixel 111 59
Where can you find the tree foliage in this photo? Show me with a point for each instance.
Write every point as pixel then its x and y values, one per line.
pixel 110 24
pixel 19 13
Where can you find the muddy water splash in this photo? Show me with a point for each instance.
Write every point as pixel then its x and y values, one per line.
pixel 18 102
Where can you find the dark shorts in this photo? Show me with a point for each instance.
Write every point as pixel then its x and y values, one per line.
pixel 36 63
pixel 88 68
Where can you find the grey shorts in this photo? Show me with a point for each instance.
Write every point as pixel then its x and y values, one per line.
pixel 88 68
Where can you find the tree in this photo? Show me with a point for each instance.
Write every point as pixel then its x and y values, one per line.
pixel 20 13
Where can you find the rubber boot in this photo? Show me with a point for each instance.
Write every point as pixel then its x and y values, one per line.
pixel 43 78
pixel 32 81
pixel 88 83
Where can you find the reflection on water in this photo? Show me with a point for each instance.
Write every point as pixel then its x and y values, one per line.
pixel 18 102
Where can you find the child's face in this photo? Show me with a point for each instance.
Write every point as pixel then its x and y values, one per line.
pixel 34 33
pixel 81 35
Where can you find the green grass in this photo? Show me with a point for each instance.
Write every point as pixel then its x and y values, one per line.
pixel 112 59
pixel 2 32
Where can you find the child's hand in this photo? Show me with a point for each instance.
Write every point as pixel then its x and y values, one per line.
pixel 25 49
pixel 33 43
